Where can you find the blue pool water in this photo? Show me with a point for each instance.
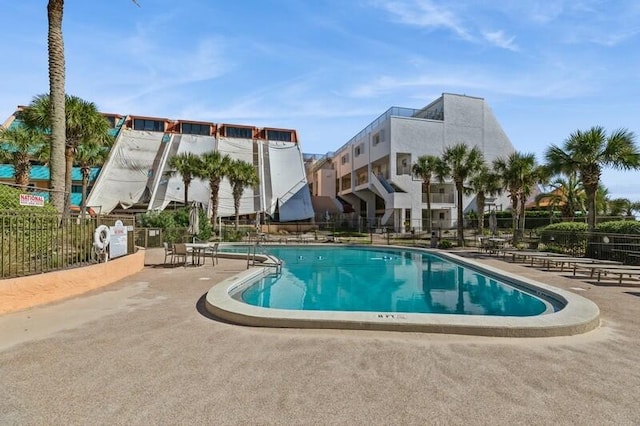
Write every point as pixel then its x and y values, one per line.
pixel 384 280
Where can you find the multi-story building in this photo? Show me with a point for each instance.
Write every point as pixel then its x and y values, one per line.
pixel 372 171
pixel 137 173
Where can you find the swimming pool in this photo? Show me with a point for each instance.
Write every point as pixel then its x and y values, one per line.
pixel 383 288
pixel 385 280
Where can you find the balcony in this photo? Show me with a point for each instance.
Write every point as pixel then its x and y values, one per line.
pixel 440 198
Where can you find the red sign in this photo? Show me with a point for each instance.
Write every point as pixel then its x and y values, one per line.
pixel 31 200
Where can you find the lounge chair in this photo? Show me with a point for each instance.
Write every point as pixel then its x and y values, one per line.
pixel 569 261
pixel 607 269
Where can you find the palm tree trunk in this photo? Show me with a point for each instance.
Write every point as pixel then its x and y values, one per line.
pixel 480 205
pixel 514 217
pixel 591 206
pixel 68 155
pixel 57 97
pixel 523 201
pixel 459 189
pixel 428 188
pixel 186 191
pixel 85 185
pixel 214 185
pixel 21 172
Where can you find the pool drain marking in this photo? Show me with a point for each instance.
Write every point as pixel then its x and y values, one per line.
pixel 392 316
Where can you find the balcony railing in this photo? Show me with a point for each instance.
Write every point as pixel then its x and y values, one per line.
pixel 441 198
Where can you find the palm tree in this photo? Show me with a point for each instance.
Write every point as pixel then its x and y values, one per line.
pixel 519 173
pixel 241 175
pixel 186 164
pixel 60 182
pixel 485 183
pixel 587 152
pixel 213 166
pixel 425 168
pixel 89 155
pixel 57 112
pixel 460 164
pixel 619 207
pixel 20 147
pixel 566 194
pixel 83 124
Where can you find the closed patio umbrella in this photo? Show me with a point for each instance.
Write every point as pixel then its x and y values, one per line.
pixel 194 220
pixel 493 222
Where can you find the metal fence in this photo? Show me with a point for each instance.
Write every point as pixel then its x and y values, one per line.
pixel 32 243
pixel 607 246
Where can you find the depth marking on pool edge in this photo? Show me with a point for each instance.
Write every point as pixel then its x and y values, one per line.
pixel 392 316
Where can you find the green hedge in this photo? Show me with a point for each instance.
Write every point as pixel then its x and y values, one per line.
pixel 619 227
pixel 566 227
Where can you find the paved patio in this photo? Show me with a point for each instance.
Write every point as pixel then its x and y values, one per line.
pixel 142 351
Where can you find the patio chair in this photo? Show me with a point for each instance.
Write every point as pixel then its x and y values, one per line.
pixel 180 252
pixel 212 252
pixel 168 253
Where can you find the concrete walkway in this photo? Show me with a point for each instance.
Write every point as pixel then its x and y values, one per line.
pixel 141 351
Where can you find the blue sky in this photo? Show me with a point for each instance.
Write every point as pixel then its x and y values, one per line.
pixel 329 67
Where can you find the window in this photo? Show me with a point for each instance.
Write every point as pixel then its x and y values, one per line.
pixel 112 121
pixel 150 125
pixel 279 135
pixel 375 140
pixel 195 129
pixel 238 132
pixel 344 159
pixel 358 151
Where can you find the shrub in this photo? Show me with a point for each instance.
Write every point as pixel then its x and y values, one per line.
pixel 566 227
pixel 445 244
pixel 619 227
pixel 173 222
pixel 565 237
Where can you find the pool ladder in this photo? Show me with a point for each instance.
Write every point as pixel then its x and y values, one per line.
pixel 272 261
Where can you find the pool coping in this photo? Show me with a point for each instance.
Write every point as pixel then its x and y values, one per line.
pixel 579 315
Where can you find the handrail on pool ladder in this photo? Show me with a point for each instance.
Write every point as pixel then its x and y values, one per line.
pixel 274 261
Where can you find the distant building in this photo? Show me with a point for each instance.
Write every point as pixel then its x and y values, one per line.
pixel 372 171
pixel 137 176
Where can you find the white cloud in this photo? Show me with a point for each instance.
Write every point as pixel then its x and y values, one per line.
pixel 425 14
pixel 499 39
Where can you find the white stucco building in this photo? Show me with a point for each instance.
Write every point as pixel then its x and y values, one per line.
pixel 372 171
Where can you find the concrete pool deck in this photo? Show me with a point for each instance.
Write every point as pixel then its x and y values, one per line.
pixel 143 350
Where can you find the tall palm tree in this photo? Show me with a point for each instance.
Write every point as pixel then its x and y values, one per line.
pixel 460 163
pixel 20 147
pixel 485 183
pixel 213 166
pixel 520 173
pixel 426 168
pixel 241 175
pixel 83 124
pixel 186 164
pixel 58 163
pixel 57 112
pixel 587 152
pixel 89 155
